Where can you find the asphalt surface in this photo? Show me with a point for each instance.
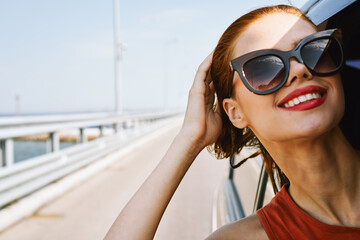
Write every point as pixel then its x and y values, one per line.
pixel 87 211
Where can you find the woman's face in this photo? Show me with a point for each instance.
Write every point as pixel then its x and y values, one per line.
pixel 264 114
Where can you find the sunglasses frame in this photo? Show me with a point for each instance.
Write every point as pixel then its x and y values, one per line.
pixel 238 63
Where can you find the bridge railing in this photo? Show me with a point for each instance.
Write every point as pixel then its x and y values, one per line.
pixel 21 178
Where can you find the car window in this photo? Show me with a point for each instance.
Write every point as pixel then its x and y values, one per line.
pixel 246 179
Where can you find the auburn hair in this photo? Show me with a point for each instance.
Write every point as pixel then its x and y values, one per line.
pixel 232 140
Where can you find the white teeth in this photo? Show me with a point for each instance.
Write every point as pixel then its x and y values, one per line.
pixel 309 96
pixel 302 98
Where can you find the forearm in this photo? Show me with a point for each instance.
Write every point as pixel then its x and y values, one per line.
pixel 141 216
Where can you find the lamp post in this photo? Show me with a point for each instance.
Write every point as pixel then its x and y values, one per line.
pixel 17 103
pixel 118 47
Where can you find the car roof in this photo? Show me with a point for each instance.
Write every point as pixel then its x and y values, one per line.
pixel 320 10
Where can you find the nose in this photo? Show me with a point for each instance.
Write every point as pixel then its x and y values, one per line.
pixel 298 71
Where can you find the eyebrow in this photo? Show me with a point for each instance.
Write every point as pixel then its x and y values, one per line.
pixel 296 42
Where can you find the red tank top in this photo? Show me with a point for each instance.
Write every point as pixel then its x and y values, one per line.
pixel 283 219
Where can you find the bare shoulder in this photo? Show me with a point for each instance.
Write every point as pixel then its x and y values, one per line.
pixel 247 228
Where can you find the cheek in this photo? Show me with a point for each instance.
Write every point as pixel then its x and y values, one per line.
pixel 338 101
pixel 267 124
pixel 270 123
pixel 257 110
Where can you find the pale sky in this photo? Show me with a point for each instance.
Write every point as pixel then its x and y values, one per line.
pixel 58 56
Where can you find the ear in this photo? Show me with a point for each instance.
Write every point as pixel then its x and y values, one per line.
pixel 234 113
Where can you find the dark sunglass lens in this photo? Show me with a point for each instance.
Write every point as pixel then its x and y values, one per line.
pixel 322 55
pixel 264 72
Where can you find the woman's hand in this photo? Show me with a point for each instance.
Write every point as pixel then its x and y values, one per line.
pixel 201 127
pixel 202 123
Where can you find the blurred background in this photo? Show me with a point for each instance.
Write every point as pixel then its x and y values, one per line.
pixel 59 56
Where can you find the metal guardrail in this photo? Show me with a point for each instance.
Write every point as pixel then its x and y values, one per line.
pixel 11 128
pixel 22 178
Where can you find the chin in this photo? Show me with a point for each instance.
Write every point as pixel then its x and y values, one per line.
pixel 315 127
pixel 312 128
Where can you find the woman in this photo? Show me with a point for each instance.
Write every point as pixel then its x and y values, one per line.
pixel 292 109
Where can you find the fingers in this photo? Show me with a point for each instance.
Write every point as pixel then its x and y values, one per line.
pixel 210 97
pixel 208 79
pixel 202 74
pixel 215 102
pixel 216 107
pixel 205 65
pixel 201 94
pixel 212 88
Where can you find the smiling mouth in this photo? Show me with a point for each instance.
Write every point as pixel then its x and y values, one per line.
pixel 303 99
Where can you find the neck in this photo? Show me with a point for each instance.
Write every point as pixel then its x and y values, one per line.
pixel 324 176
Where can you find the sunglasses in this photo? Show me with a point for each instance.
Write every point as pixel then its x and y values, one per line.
pixel 266 71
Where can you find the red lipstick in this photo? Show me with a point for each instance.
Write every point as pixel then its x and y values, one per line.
pixel 308 104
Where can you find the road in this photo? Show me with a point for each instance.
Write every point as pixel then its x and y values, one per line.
pixel 88 210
